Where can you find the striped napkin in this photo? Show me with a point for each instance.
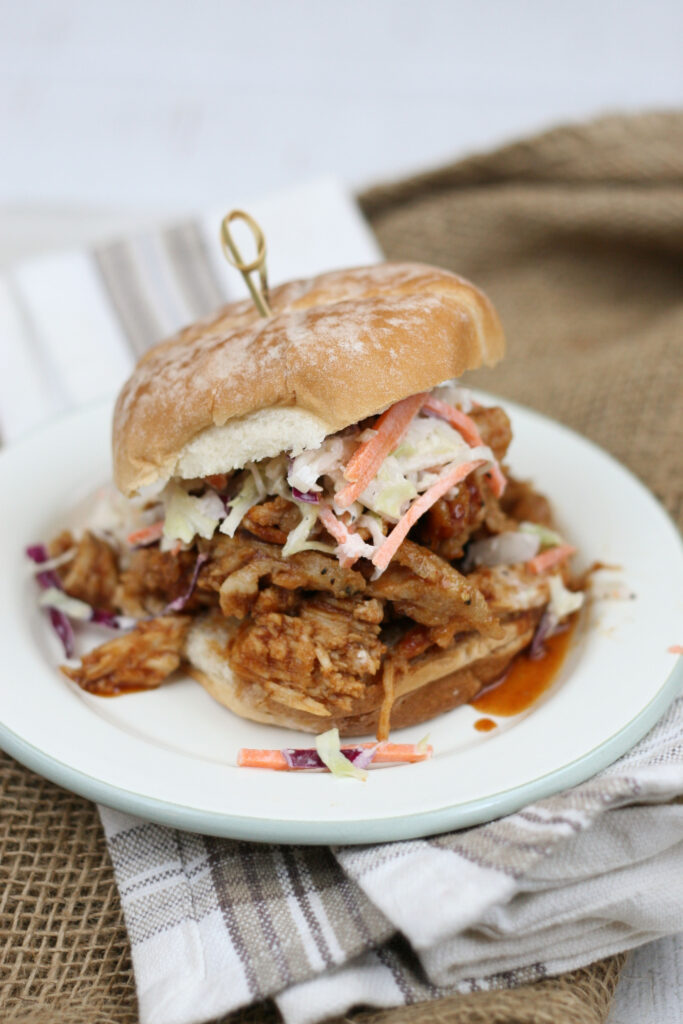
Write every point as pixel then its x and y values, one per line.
pixel 216 924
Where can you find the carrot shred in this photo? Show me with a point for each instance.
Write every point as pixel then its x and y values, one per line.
pixel 469 432
pixel 675 649
pixel 550 559
pixel 465 426
pixel 410 753
pixel 387 550
pixel 335 527
pixel 365 462
pixel 341 533
pixel 385 753
pixel 498 481
pixel 147 533
pixel 273 759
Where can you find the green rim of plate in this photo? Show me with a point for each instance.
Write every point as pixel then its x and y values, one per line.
pixel 344 832
pixel 348 833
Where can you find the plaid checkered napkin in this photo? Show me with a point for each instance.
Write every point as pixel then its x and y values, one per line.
pixel 216 924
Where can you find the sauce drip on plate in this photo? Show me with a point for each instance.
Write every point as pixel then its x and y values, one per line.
pixel 525 681
pixel 485 724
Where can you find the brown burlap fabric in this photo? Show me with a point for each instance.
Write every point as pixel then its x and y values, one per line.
pixel 577 236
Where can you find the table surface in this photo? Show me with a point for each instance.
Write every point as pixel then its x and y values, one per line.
pixel 115 116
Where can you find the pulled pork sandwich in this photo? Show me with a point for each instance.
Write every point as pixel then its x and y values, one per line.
pixel 318 522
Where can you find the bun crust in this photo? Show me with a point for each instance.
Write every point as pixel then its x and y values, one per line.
pixel 339 347
pixel 436 682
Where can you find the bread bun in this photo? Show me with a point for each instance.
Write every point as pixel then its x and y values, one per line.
pixel 433 684
pixel 236 387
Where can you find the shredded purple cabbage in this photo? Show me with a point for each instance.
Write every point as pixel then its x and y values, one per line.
pixel 545 628
pixel 308 758
pixel 302 758
pixel 179 603
pixel 104 618
pixel 310 496
pixel 60 621
pixel 64 630
pixel 365 757
pixel 38 553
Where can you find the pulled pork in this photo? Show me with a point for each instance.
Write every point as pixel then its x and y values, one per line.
pixel 424 587
pixel 139 660
pixel 153 579
pixel 92 574
pixel 332 645
pixel 314 635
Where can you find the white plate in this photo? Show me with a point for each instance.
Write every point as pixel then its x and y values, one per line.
pixel 169 754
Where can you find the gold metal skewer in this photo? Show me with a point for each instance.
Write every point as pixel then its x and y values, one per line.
pixel 232 254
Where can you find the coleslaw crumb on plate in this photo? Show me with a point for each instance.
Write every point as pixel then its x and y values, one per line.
pixel 324 755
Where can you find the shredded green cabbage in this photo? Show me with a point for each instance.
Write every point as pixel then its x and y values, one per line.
pixel 390 491
pixel 308 467
pixel 187 515
pixel 428 448
pixel 297 539
pixel 329 752
pixel 548 538
pixel 422 744
pixel 239 506
pixel 71 606
pixel 428 442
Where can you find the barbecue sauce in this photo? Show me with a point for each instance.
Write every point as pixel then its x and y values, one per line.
pixel 525 680
pixel 104 689
pixel 484 724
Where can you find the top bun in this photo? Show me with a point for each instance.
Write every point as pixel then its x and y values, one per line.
pixel 339 347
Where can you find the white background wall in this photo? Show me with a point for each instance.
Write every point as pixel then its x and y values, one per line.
pixel 169 104
pixel 143 108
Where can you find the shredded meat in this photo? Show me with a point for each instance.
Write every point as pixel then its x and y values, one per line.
pixel 276 599
pixel 153 579
pixel 272 520
pixel 427 589
pixel 495 429
pixel 389 693
pixel 318 660
pixel 510 589
pixel 509 592
pixel 449 523
pixel 92 574
pixel 226 556
pixel 139 660
pixel 238 570
pixel 495 519
pixel 524 504
pixel 315 635
pixel 240 566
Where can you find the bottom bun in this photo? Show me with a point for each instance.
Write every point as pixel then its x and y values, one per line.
pixel 431 685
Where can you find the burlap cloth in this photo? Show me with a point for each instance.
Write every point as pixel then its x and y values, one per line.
pixel 577 236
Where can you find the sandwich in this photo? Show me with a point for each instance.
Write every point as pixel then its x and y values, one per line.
pixel 315 519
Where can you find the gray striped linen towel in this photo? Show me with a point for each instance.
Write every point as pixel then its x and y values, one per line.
pixel 216 924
